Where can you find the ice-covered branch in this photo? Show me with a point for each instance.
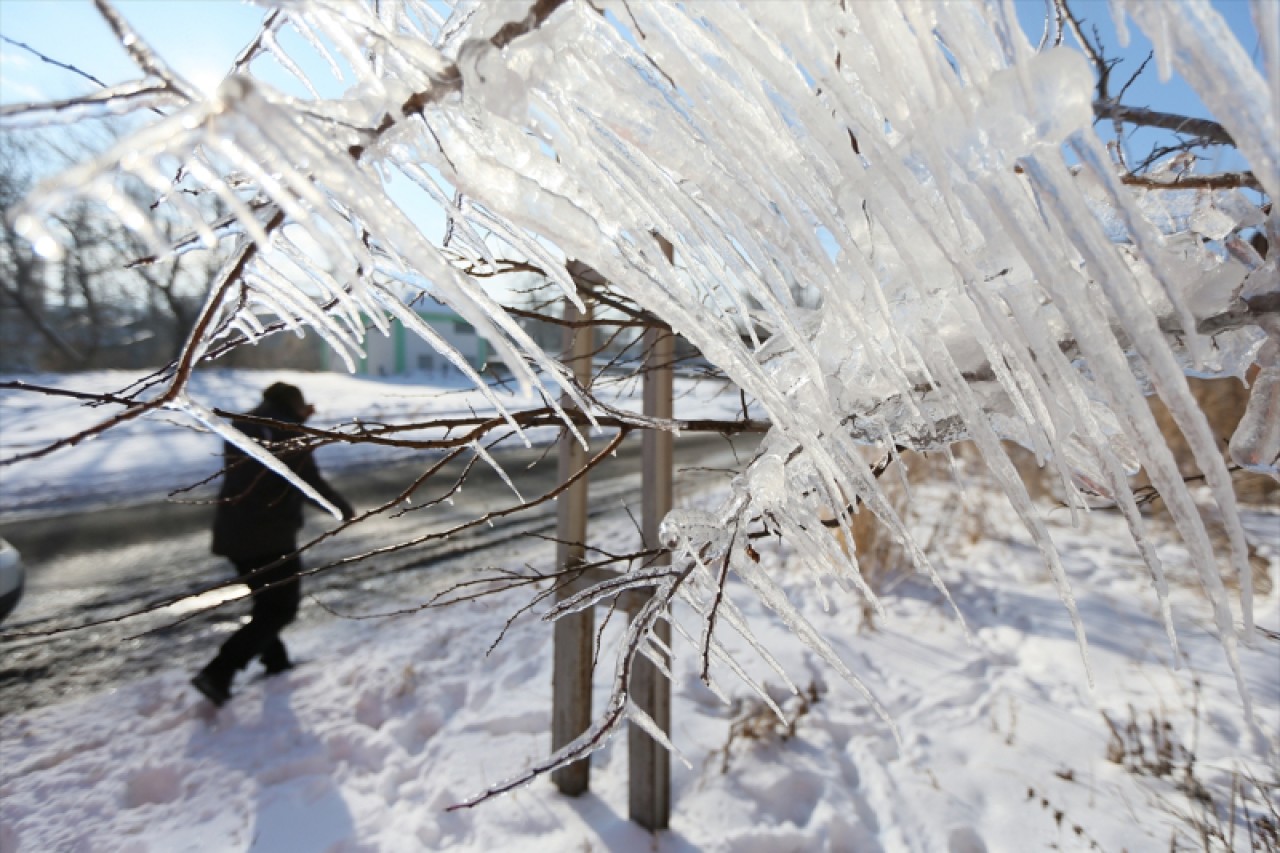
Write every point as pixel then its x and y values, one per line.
pixel 116 100
pixel 1206 130
pixel 140 52
pixel 893 224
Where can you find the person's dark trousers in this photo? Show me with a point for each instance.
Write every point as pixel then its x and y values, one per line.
pixel 276 594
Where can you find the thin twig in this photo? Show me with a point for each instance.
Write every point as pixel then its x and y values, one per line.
pixel 50 60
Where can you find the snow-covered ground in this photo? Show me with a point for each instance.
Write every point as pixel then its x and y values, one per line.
pixel 145 459
pixel 1003 745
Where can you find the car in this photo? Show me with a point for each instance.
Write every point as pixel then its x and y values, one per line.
pixel 12 578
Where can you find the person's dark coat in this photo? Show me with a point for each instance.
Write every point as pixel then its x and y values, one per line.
pixel 259 513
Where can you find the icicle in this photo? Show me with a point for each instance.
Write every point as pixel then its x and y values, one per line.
pixel 303 27
pixel 286 62
pixel 1193 37
pixel 732 616
pixel 200 169
pixel 1000 465
pixel 1168 378
pixel 498 469
pixel 250 448
pixel 776 600
pixel 637 715
pixel 719 653
pixel 412 321
pixel 1256 442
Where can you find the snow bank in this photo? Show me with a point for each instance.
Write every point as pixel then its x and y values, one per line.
pixel 145 459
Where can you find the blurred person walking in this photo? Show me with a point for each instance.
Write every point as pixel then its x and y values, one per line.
pixel 256 526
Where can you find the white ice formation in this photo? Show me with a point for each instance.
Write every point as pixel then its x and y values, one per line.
pixel 894 224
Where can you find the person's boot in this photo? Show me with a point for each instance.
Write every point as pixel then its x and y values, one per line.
pixel 277 667
pixel 275 659
pixel 215 683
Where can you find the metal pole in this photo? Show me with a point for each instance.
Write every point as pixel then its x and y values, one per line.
pixel 574 634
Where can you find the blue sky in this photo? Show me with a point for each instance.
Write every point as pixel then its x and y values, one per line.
pixel 199 38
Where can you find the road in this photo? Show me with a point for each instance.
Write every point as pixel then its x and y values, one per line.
pixel 116 561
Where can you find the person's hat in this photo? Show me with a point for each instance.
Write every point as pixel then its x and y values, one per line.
pixel 286 396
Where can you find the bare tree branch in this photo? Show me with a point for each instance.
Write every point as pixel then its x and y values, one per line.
pixel 1224 181
pixel 1205 130
pixel 51 61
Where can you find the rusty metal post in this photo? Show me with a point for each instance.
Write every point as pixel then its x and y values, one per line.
pixel 649 789
pixel 574 634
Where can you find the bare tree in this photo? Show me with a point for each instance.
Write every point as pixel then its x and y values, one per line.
pixel 106 302
pixel 22 283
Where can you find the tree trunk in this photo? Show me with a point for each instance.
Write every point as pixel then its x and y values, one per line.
pixel 574 634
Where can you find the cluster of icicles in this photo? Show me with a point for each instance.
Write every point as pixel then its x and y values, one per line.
pixel 893 225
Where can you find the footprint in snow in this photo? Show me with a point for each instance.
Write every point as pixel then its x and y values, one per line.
pixel 965 839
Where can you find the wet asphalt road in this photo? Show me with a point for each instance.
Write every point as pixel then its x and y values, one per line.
pixel 99 565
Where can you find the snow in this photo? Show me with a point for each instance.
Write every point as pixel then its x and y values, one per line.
pixel 144 461
pixel 388 722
